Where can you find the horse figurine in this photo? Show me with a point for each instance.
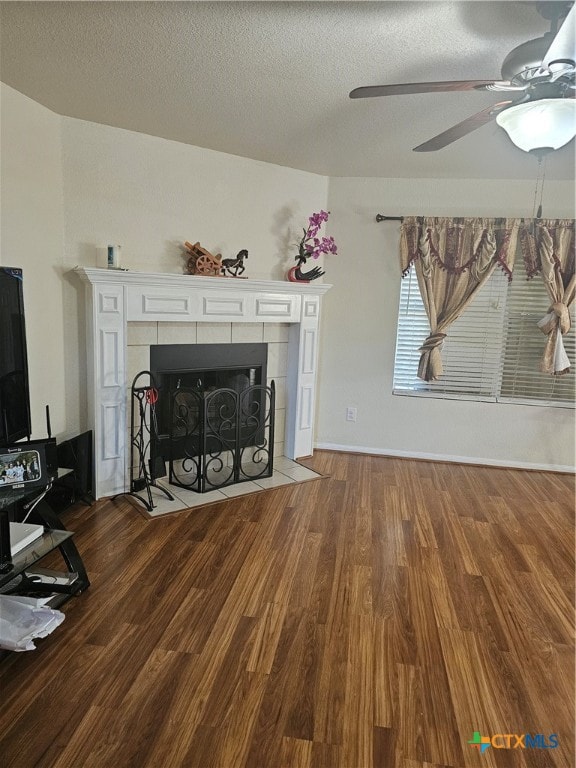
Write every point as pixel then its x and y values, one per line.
pixel 234 267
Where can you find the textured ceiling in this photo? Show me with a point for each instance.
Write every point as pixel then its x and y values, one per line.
pixel 270 80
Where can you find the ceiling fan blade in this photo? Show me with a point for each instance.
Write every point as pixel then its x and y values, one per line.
pixel 401 89
pixel 563 47
pixel 461 129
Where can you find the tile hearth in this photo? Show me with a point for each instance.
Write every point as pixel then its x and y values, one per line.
pixel 285 472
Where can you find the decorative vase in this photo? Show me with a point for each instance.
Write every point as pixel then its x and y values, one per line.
pixel 296 275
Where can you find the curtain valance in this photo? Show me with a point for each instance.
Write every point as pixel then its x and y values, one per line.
pixel 459 244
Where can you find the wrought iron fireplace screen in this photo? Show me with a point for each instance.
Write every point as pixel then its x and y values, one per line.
pixel 215 413
pixel 221 437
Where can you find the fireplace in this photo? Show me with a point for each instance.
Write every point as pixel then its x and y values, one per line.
pixel 116 299
pixel 203 368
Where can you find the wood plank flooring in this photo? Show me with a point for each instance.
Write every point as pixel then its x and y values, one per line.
pixel 376 618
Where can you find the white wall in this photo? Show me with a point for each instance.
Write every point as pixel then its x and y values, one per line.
pixel 150 195
pixel 32 237
pixel 359 331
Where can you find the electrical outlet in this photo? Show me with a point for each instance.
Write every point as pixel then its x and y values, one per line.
pixel 351 413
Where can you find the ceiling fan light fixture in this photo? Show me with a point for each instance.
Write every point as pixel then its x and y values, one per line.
pixel 542 124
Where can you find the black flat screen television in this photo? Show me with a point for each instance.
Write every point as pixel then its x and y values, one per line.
pixel 15 421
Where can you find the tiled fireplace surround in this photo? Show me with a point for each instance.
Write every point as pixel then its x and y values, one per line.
pixel 129 311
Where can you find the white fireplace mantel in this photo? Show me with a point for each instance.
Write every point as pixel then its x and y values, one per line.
pixel 115 297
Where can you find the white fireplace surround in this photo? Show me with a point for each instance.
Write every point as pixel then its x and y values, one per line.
pixel 115 298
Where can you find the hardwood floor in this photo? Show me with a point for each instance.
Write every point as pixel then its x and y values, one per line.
pixel 377 617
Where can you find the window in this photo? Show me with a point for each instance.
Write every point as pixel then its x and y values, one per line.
pixel 492 352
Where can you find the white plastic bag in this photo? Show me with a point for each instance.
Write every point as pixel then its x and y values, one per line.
pixel 22 619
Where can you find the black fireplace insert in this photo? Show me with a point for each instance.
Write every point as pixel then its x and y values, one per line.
pixel 215 414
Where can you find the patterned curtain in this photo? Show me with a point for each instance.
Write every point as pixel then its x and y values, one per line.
pixel 453 258
pixel 548 250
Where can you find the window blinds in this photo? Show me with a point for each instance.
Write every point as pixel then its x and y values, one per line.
pixel 524 342
pixel 492 352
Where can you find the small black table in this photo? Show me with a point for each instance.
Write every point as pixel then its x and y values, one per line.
pixel 22 578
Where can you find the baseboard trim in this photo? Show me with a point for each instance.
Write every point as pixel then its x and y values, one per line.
pixel 393 454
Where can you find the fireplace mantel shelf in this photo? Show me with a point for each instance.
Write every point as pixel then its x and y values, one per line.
pixel 122 277
pixel 115 298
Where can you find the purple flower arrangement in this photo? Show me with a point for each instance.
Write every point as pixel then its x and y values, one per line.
pixel 311 244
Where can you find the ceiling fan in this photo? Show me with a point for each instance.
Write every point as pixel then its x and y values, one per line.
pixel 541 72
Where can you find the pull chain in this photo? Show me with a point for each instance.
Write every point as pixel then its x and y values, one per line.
pixel 536 214
pixel 536 187
pixel 539 213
